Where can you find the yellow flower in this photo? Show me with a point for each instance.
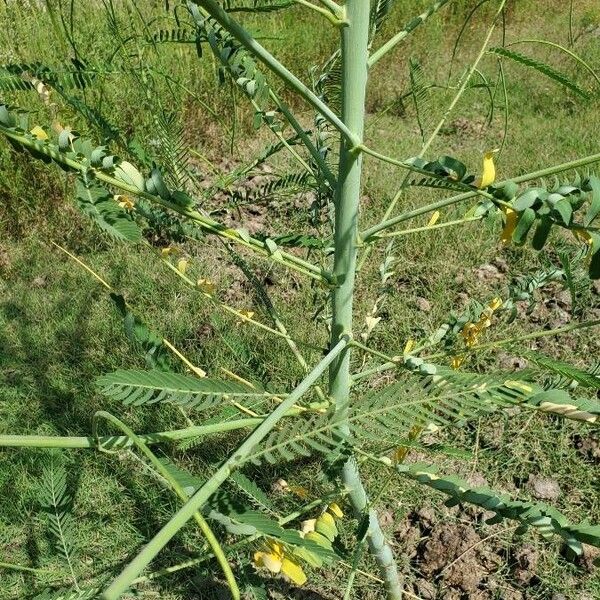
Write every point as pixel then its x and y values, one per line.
pixel 435 217
pixel 510 222
pixel 271 558
pixel 39 133
pixel 471 331
pixel 457 361
pixel 291 570
pixel 583 236
pixel 495 304
pixel 410 344
pixel 246 314
pixel 125 202
pixel 182 265
pixel 307 526
pixel 206 286
pixel 165 252
pixel 488 171
pixel 274 559
pixel 335 510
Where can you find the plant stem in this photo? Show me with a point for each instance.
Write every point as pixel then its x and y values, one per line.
pixel 386 224
pixel 203 222
pixel 236 313
pixel 429 227
pixel 181 517
pixel 408 28
pixel 164 471
pixel 394 363
pixel 314 152
pixel 322 11
pixel 526 337
pixel 117 442
pixel 246 40
pixel 354 80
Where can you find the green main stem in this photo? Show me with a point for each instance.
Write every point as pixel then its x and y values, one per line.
pixel 355 38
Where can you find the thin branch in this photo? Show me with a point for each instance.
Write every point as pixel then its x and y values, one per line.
pixel 333 19
pixel 157 543
pixel 236 313
pixel 580 162
pixel 395 362
pixel 203 222
pixel 462 87
pixel 246 40
pixel 408 28
pixel 428 227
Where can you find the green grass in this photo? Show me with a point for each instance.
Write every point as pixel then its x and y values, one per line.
pixel 59 329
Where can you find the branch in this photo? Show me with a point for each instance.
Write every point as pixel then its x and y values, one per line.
pixel 408 28
pixel 546 519
pixel 117 442
pixel 332 18
pixel 246 40
pixel 162 469
pixel 154 546
pixel 580 162
pixel 207 225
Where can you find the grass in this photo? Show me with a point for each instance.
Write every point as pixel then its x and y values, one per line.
pixel 60 329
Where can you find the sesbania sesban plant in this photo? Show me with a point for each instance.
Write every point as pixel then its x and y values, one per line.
pixel 331 413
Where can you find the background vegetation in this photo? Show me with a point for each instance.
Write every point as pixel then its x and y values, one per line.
pixel 58 332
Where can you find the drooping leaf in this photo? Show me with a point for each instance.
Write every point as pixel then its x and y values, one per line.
pixel 569 372
pixel 98 204
pixel 541 67
pixel 56 501
pixel 545 519
pixel 148 387
pixel 136 331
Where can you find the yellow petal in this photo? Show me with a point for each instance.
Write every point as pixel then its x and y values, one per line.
pixel 495 304
pixel 457 361
pixel 268 561
pixel 335 510
pixel 276 548
pixel 124 201
pixel 182 265
pixel 206 286
pixel 168 251
pixel 307 526
pixel 293 571
pixel 300 491
pixel 39 133
pixel 410 344
pixel 509 225
pixel 400 454
pixel 435 217
pixel 488 171
pixel 580 234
